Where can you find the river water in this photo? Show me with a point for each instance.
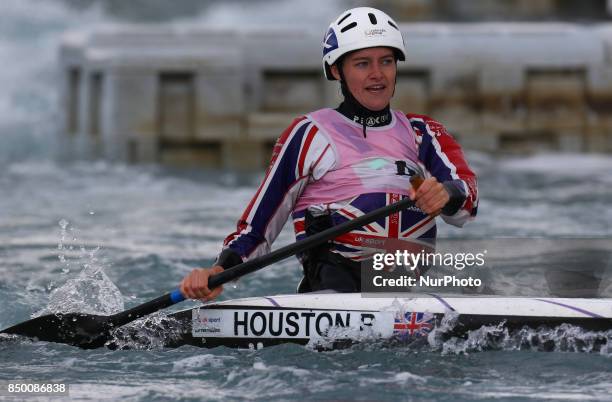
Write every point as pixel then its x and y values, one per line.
pixel 98 237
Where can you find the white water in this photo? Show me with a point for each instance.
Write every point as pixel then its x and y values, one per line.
pixel 91 291
pixel 30 34
pixel 149 227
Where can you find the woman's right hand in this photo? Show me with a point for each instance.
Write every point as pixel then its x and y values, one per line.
pixel 195 284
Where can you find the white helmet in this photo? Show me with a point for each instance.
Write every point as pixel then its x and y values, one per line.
pixel 360 28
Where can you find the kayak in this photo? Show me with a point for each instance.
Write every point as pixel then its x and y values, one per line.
pixel 331 320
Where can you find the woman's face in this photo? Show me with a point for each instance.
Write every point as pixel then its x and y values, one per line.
pixel 370 76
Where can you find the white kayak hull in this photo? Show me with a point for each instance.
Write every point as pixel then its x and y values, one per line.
pixel 333 319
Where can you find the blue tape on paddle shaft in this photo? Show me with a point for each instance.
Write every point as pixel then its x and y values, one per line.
pixel 177 296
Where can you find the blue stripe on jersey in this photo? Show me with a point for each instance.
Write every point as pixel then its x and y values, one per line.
pixel 279 185
pixel 428 154
pixel 410 218
pixel 298 214
pixel 247 242
pixel 365 203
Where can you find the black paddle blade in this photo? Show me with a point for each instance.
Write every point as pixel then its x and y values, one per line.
pixel 86 331
pixel 83 330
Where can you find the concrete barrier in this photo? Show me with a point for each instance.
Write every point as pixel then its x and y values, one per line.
pixel 221 98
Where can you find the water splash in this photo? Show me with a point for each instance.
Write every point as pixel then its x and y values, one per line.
pixel 148 333
pixel 91 291
pixel 439 333
pixel 563 338
pixel 63 224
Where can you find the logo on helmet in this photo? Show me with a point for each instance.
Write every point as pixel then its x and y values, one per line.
pixel 375 32
pixel 330 42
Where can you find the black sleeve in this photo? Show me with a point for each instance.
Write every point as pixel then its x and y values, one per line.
pixel 228 258
pixel 457 197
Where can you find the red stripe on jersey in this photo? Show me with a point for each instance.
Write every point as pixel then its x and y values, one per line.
pixel 417 227
pixel 239 228
pixel 451 149
pixel 455 155
pixel 305 149
pixel 394 219
pixel 321 156
pixel 299 226
pixel 353 216
pixel 383 243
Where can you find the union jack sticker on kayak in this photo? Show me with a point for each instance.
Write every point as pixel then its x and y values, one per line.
pixel 412 324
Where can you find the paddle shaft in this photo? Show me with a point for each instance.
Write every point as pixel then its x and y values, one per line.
pixel 258 263
pixel 86 330
pixel 311 241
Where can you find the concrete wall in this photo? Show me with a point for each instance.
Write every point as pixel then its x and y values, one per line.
pixel 221 98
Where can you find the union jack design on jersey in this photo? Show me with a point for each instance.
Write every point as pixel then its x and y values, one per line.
pixel 357 245
pixel 303 155
pixel 412 324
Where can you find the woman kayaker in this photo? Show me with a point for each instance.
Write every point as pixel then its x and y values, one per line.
pixel 333 165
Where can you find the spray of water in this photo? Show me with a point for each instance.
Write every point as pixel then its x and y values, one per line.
pixel 91 291
pixel 564 338
pixel 31 31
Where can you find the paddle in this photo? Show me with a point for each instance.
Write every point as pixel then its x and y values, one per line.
pixel 91 331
